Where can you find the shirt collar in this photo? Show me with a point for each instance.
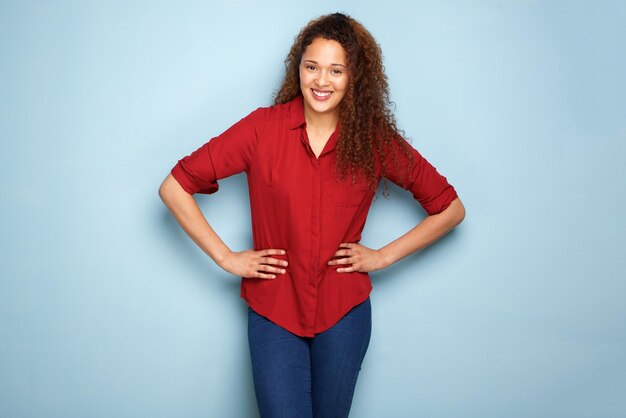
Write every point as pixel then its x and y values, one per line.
pixel 296 120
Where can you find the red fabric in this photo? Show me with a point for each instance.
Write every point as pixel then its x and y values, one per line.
pixel 298 204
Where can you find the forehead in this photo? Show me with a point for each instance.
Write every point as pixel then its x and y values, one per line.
pixel 325 51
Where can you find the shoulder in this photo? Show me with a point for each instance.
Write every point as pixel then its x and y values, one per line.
pixel 282 112
pixel 395 146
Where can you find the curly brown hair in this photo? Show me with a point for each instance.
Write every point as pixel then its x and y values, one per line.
pixel 368 125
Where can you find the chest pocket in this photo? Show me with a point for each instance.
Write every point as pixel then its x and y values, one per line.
pixel 349 198
pixel 346 194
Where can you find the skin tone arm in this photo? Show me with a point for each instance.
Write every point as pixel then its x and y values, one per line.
pixel 357 257
pixel 246 263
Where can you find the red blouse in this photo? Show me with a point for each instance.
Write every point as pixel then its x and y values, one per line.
pixel 299 204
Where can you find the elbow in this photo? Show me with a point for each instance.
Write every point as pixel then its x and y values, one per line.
pixel 165 190
pixel 171 191
pixel 455 212
pixel 459 211
pixel 461 215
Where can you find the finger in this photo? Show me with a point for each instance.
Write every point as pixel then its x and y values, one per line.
pixel 266 267
pixel 275 261
pixel 271 251
pixel 346 269
pixel 260 275
pixel 342 252
pixel 346 260
pixel 347 245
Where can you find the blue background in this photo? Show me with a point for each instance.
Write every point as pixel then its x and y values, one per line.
pixel 107 309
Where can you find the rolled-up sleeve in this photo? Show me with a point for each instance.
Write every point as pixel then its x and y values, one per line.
pixel 429 188
pixel 223 156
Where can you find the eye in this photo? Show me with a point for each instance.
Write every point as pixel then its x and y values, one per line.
pixel 310 67
pixel 336 71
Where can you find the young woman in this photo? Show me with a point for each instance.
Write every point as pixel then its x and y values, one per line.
pixel 313 162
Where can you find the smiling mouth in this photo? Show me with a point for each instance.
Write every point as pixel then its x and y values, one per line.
pixel 321 94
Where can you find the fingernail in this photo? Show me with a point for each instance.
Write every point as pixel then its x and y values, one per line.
pixel 282 251
pixel 285 263
pixel 282 271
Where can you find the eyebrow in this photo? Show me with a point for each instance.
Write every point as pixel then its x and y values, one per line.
pixel 315 62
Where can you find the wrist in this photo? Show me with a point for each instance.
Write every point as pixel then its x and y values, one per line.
pixel 386 257
pixel 220 256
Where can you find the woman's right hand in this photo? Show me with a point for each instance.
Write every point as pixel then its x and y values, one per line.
pixel 250 263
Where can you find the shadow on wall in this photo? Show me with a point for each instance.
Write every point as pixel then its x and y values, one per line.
pixel 230 201
pixel 389 219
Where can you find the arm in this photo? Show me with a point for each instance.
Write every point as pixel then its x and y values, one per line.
pixel 188 215
pixel 429 230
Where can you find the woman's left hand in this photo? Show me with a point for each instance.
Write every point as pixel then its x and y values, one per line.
pixel 357 257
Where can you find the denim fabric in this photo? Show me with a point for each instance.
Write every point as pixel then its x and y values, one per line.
pixel 303 377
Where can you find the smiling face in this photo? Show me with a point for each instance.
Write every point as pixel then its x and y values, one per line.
pixel 323 77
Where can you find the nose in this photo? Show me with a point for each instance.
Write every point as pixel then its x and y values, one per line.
pixel 322 78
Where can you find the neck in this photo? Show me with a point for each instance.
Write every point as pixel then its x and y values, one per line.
pixel 320 122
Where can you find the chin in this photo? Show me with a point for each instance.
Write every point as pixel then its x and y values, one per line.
pixel 322 107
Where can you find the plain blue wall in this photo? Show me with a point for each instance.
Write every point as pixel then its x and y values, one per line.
pixel 108 310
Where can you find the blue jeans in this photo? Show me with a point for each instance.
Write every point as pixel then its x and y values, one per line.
pixel 305 377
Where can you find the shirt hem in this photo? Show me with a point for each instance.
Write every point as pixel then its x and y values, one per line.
pixel 255 306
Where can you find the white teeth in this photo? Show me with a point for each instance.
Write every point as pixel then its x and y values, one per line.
pixel 322 94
